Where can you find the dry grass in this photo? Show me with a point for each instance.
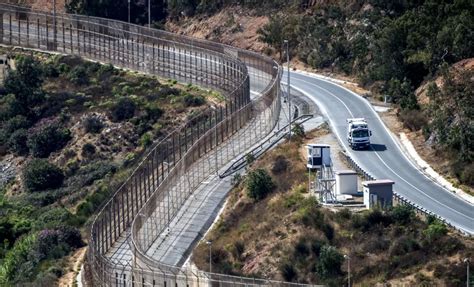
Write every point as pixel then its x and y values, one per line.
pixel 256 238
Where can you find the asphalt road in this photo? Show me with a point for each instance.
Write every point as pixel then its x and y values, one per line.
pixel 384 160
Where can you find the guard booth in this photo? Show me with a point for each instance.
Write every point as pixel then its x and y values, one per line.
pixel 319 155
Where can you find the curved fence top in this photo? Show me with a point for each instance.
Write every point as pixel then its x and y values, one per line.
pixel 185 59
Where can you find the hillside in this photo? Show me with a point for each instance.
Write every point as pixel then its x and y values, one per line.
pixel 389 48
pixel 71 132
pixel 288 235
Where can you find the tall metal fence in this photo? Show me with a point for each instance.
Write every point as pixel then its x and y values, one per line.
pixel 140 210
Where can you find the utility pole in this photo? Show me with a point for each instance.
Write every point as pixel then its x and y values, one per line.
pixel 288 84
pixel 149 13
pixel 210 255
pixel 467 261
pixel 348 270
pixel 129 11
pixel 54 23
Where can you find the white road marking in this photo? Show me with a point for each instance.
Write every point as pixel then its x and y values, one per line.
pixel 376 153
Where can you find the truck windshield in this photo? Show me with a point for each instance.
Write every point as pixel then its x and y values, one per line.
pixel 360 133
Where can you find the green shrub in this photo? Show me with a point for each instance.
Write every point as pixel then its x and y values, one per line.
pixel 146 140
pixel 249 158
pixel 63 68
pixel 16 258
pixel 88 150
pixel 40 175
pixel 92 124
pixel 78 76
pixel 53 218
pixel 467 175
pixel 288 272
pixel 47 139
pixel 403 245
pixel 193 101
pixel 17 143
pixel 330 261
pixel 298 130
pixel 435 231
pixel 370 219
pixel 106 70
pixel 259 184
pixel 402 214
pixel 50 70
pixel 15 123
pixel 124 109
pixel 153 112
pixel 56 243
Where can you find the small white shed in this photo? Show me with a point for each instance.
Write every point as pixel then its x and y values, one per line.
pixel 346 182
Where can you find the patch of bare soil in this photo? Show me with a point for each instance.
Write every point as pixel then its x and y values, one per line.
pixel 74 263
pixel 233 26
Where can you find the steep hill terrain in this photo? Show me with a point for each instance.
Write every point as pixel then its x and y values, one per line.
pixel 286 234
pixel 71 132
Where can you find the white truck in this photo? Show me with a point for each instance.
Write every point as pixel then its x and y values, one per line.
pixel 358 133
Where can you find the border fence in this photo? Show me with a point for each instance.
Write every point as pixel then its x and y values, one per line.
pixel 141 209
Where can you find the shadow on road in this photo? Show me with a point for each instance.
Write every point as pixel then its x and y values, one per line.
pixel 378 147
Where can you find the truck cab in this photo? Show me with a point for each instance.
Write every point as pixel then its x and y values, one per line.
pixel 358 133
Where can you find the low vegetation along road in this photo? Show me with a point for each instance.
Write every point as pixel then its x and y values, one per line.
pixel 384 159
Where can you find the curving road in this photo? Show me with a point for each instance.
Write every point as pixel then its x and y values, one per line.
pixel 384 159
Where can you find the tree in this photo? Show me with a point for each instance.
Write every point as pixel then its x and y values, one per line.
pixel 259 184
pixel 25 84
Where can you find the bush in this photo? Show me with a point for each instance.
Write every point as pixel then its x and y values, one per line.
pixel 16 258
pixel 249 158
pixel 259 184
pixel 48 139
pixel 40 175
pixel 92 124
pixel 413 119
pixel 50 70
pixel 370 219
pixel 298 130
pixel 288 272
pixel 16 123
pixel 124 109
pixel 467 175
pixel 330 261
pixel 402 214
pixel 53 218
pixel 193 101
pixel 153 112
pixel 403 245
pixel 88 150
pixel 17 142
pixel 146 140
pixel 435 231
pixel 56 243
pixel 78 76
pixel 280 165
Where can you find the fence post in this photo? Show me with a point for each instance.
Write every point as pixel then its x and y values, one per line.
pixel 1 26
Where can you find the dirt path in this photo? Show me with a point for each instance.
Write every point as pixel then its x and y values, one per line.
pixel 75 262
